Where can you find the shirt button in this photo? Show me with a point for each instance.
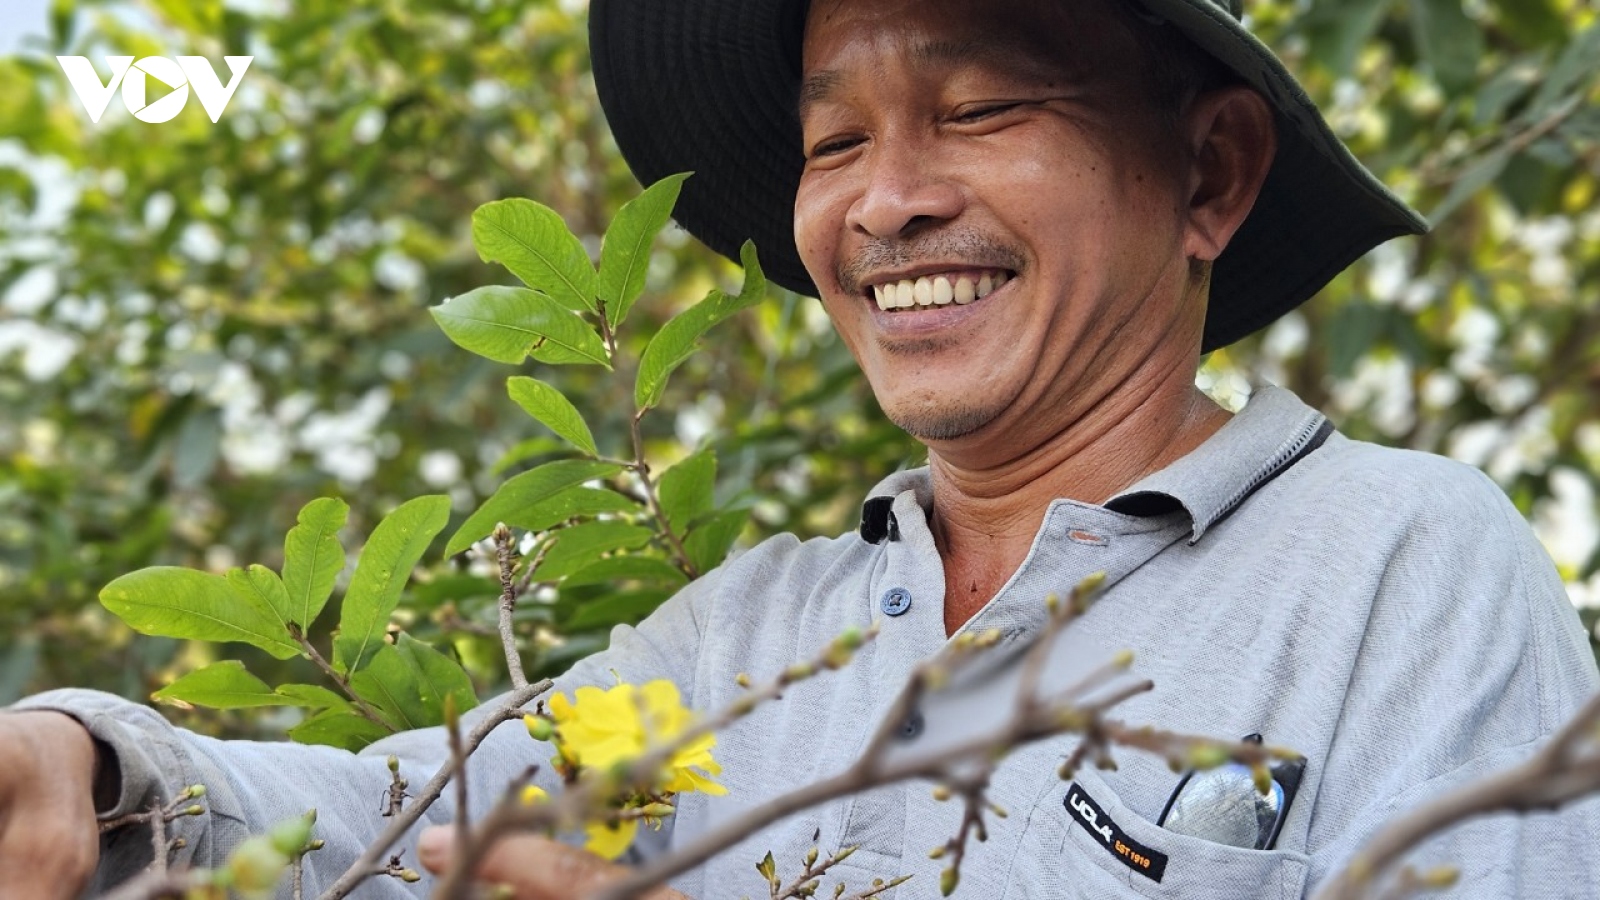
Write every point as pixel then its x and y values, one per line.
pixel 911 728
pixel 895 601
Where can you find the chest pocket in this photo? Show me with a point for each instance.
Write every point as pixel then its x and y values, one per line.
pixel 1059 858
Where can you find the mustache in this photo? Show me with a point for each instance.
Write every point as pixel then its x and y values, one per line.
pixel 968 249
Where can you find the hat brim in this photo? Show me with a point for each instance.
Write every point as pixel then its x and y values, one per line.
pixel 710 86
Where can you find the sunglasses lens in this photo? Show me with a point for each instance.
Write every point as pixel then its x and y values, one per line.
pixel 1222 806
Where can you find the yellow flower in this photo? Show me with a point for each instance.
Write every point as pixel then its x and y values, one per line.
pixel 531 794
pixel 602 728
pixel 610 840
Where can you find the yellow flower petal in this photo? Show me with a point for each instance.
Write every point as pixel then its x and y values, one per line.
pixel 532 794
pixel 610 841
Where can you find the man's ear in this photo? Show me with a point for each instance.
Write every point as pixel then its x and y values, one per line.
pixel 1232 140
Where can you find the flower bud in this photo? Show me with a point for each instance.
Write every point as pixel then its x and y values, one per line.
pixel 1207 756
pixel 254 867
pixel 948 879
pixel 1440 878
pixel 410 876
pixel 289 837
pixel 539 728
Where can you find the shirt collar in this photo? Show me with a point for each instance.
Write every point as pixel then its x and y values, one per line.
pixel 1274 431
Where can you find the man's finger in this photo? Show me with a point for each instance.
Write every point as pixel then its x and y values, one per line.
pixel 536 868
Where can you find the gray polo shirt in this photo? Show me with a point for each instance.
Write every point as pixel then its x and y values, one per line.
pixel 1388 614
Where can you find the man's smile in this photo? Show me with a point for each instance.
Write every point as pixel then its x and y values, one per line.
pixel 961 287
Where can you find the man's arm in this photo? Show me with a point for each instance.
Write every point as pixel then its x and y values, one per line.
pixel 252 785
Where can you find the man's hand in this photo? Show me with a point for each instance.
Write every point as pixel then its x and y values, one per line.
pixel 535 868
pixel 49 839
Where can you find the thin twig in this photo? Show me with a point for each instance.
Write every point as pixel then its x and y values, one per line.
pixel 642 469
pixel 1032 719
pixel 343 682
pixel 574 804
pixel 506 554
pixel 532 567
pixel 458 763
pixel 363 868
pixel 153 885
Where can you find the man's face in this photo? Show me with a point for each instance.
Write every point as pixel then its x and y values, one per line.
pixel 999 167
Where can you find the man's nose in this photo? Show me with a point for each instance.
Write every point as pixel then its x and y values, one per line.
pixel 904 192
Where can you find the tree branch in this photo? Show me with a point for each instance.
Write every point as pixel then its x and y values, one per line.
pixel 373 858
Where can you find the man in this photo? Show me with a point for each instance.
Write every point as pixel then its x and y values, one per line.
pixel 1027 219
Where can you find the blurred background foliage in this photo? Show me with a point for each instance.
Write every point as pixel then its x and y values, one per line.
pixel 203 326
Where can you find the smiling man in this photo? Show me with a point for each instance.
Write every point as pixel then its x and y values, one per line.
pixel 1027 219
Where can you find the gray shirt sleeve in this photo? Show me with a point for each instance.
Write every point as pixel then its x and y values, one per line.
pixel 252 785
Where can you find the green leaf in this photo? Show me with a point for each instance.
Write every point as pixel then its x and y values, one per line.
pixel 581 545
pixel 685 489
pixel 533 242
pixel 618 569
pixel 625 252
pixel 676 341
pixel 523 491
pixel 264 588
pixel 1477 177
pixel 1500 91
pixel 708 545
pixel 312 695
pixel 197 449
pixel 1570 68
pixel 506 324
pixel 313 559
pixel 552 409
pixel 174 602
pixel 338 728
pixel 437 676
pixel 396 545
pixel 1531 22
pixel 389 682
pixel 616 609
pixel 1448 40
pixel 1336 32
pixel 222 685
pixel 572 503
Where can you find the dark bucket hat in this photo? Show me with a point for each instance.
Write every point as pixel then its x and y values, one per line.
pixel 712 86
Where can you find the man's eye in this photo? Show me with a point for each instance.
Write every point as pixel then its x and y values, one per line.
pixel 832 147
pixel 979 113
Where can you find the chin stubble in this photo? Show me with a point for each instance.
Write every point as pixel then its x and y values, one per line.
pixel 942 424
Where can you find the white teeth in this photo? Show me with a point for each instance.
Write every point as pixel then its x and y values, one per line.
pixel 937 290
